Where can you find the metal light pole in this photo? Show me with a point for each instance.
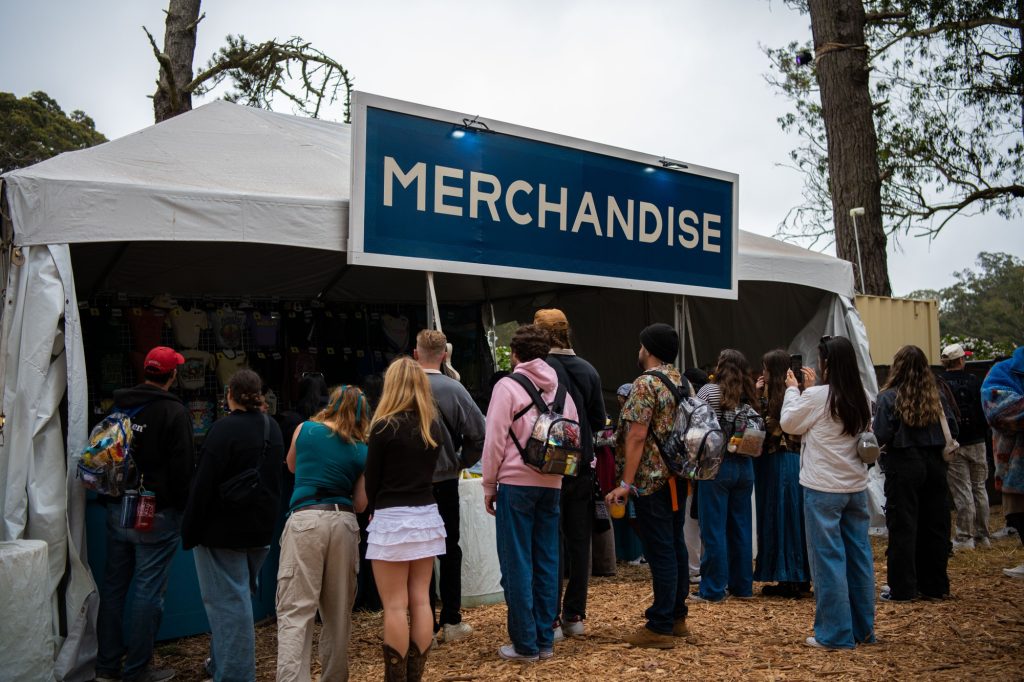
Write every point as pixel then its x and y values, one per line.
pixel 854 212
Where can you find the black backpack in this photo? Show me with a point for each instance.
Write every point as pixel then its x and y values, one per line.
pixel 967 400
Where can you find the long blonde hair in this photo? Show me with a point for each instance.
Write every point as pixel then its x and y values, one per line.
pixel 917 392
pixel 407 389
pixel 347 414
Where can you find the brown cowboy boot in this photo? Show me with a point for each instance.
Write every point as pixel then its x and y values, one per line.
pixel 417 661
pixel 394 665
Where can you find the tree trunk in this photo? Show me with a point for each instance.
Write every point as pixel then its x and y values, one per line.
pixel 841 65
pixel 179 49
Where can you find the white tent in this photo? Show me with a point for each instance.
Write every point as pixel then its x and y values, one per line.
pixel 239 201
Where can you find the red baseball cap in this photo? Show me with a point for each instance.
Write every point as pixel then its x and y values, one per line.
pixel 162 360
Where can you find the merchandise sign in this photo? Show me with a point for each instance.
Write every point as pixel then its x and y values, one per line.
pixel 439 191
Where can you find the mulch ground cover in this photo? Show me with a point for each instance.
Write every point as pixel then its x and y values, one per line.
pixel 978 634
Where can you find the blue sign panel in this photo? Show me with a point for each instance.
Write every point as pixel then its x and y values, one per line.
pixel 433 190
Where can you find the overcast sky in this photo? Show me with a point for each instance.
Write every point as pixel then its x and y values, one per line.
pixel 676 78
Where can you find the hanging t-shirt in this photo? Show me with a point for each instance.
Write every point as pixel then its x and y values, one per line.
pixel 228 328
pixel 192 374
pixel 147 328
pixel 187 324
pixel 202 412
pixel 264 328
pixel 271 399
pixel 229 362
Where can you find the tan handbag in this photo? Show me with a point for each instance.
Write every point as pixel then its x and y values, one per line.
pixel 951 446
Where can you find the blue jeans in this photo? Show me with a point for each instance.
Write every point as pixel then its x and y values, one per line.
pixel 661 532
pixel 725 528
pixel 841 567
pixel 527 528
pixel 146 557
pixel 227 579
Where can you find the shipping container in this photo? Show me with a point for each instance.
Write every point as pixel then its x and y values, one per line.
pixel 895 322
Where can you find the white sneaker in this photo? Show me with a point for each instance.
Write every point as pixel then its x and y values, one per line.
pixel 509 653
pixel 963 545
pixel 453 633
pixel 559 634
pixel 982 542
pixel 573 628
pixel 1015 572
pixel 1005 532
pixel 814 644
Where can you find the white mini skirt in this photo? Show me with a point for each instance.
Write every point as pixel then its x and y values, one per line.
pixel 405 534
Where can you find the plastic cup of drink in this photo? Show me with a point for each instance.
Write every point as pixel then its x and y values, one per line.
pixel 617 510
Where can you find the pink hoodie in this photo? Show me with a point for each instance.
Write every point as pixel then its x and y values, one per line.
pixel 502 462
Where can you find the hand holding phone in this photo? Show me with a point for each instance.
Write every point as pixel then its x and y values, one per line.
pixel 796 363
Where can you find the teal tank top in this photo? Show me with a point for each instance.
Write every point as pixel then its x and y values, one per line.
pixel 324 460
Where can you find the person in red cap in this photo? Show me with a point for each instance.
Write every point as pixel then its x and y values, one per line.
pixel 164 455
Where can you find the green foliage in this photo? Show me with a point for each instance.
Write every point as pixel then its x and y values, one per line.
pixel 947 83
pixel 35 128
pixel 985 305
pixel 258 72
pixel 504 357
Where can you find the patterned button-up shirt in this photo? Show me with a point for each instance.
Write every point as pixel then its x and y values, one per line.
pixel 651 403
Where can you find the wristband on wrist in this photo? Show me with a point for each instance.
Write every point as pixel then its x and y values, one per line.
pixel 629 486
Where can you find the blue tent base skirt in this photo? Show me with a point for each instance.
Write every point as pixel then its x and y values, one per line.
pixel 781 540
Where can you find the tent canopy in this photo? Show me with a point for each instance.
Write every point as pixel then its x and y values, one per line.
pixel 232 174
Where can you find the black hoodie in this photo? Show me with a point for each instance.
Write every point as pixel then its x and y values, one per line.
pixel 161 442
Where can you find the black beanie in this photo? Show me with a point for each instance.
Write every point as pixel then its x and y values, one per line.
pixel 661 341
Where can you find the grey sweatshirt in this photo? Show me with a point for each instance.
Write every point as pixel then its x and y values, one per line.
pixel 464 427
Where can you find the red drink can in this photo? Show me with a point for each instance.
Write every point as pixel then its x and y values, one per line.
pixel 146 511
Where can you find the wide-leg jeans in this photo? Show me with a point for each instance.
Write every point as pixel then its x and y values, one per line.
pixel 841 567
pixel 227 579
pixel 726 530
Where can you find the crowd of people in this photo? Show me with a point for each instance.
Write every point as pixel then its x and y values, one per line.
pixel 397 459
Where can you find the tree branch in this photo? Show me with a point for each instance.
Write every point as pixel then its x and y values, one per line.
pixel 165 69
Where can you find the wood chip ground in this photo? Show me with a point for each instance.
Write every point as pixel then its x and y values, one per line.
pixel 978 634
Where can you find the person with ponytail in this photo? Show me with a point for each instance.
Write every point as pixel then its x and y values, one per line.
pixel 230 518
pixel 908 423
pixel 723 503
pixel 829 418
pixel 781 542
pixel 406 531
pixel 320 543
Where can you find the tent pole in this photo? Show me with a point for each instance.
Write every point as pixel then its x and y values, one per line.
pixel 334 280
pixel 433 315
pixel 680 323
pixel 689 330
